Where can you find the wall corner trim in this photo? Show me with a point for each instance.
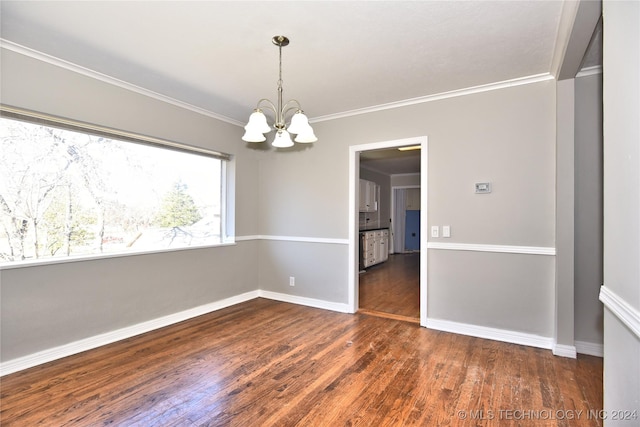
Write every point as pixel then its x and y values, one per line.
pixel 627 314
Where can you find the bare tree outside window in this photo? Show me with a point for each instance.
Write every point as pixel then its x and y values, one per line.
pixel 65 193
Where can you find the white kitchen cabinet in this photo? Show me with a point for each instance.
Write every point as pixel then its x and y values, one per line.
pixel 413 199
pixel 382 242
pixel 368 196
pixel 374 247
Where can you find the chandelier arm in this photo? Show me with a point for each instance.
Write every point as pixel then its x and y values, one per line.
pixel 270 105
pixel 290 105
pixel 286 110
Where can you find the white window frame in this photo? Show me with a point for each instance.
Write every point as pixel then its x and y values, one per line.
pixel 227 181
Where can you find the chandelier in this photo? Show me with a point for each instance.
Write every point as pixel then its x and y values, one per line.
pixel 299 124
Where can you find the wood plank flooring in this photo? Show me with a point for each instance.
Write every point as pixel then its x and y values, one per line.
pixel 392 288
pixel 267 363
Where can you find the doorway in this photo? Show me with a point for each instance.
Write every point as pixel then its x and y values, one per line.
pixel 406 218
pixel 353 252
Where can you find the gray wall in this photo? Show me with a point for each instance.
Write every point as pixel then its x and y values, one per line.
pixel 505 136
pixel 402 180
pixel 621 88
pixel 52 305
pixel 565 215
pixel 588 254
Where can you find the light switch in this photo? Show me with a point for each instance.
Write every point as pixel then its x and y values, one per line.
pixel 446 231
pixel 483 187
pixel 435 231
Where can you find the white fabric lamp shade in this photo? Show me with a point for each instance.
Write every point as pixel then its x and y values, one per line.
pixel 282 139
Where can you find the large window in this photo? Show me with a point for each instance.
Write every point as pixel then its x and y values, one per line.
pixel 69 190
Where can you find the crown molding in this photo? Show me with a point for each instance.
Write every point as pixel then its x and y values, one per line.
pixel 438 96
pixel 590 71
pixel 52 60
pixel 563 36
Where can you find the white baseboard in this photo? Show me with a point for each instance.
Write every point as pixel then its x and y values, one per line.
pixel 564 351
pixel 76 347
pixel 96 341
pixel 503 335
pixel 590 348
pixel 309 302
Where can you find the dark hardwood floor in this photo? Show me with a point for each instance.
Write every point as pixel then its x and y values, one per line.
pixel 392 288
pixel 267 363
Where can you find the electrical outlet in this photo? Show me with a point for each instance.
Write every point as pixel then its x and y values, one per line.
pixel 446 231
pixel 292 281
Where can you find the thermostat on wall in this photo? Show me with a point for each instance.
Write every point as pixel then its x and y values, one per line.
pixel 483 187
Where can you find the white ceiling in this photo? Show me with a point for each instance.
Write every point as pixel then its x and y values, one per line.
pixel 343 56
pixel 391 161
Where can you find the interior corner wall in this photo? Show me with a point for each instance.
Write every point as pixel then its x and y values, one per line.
pixel 588 254
pixel 621 289
pixel 565 217
pixel 47 306
pixel 504 136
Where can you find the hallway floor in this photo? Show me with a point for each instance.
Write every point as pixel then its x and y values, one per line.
pixel 392 287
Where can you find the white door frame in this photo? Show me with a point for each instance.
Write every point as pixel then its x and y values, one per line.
pixel 354 179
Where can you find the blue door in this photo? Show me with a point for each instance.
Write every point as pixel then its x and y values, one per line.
pixel 412 231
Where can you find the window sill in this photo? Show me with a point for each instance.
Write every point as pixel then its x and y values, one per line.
pixel 50 261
